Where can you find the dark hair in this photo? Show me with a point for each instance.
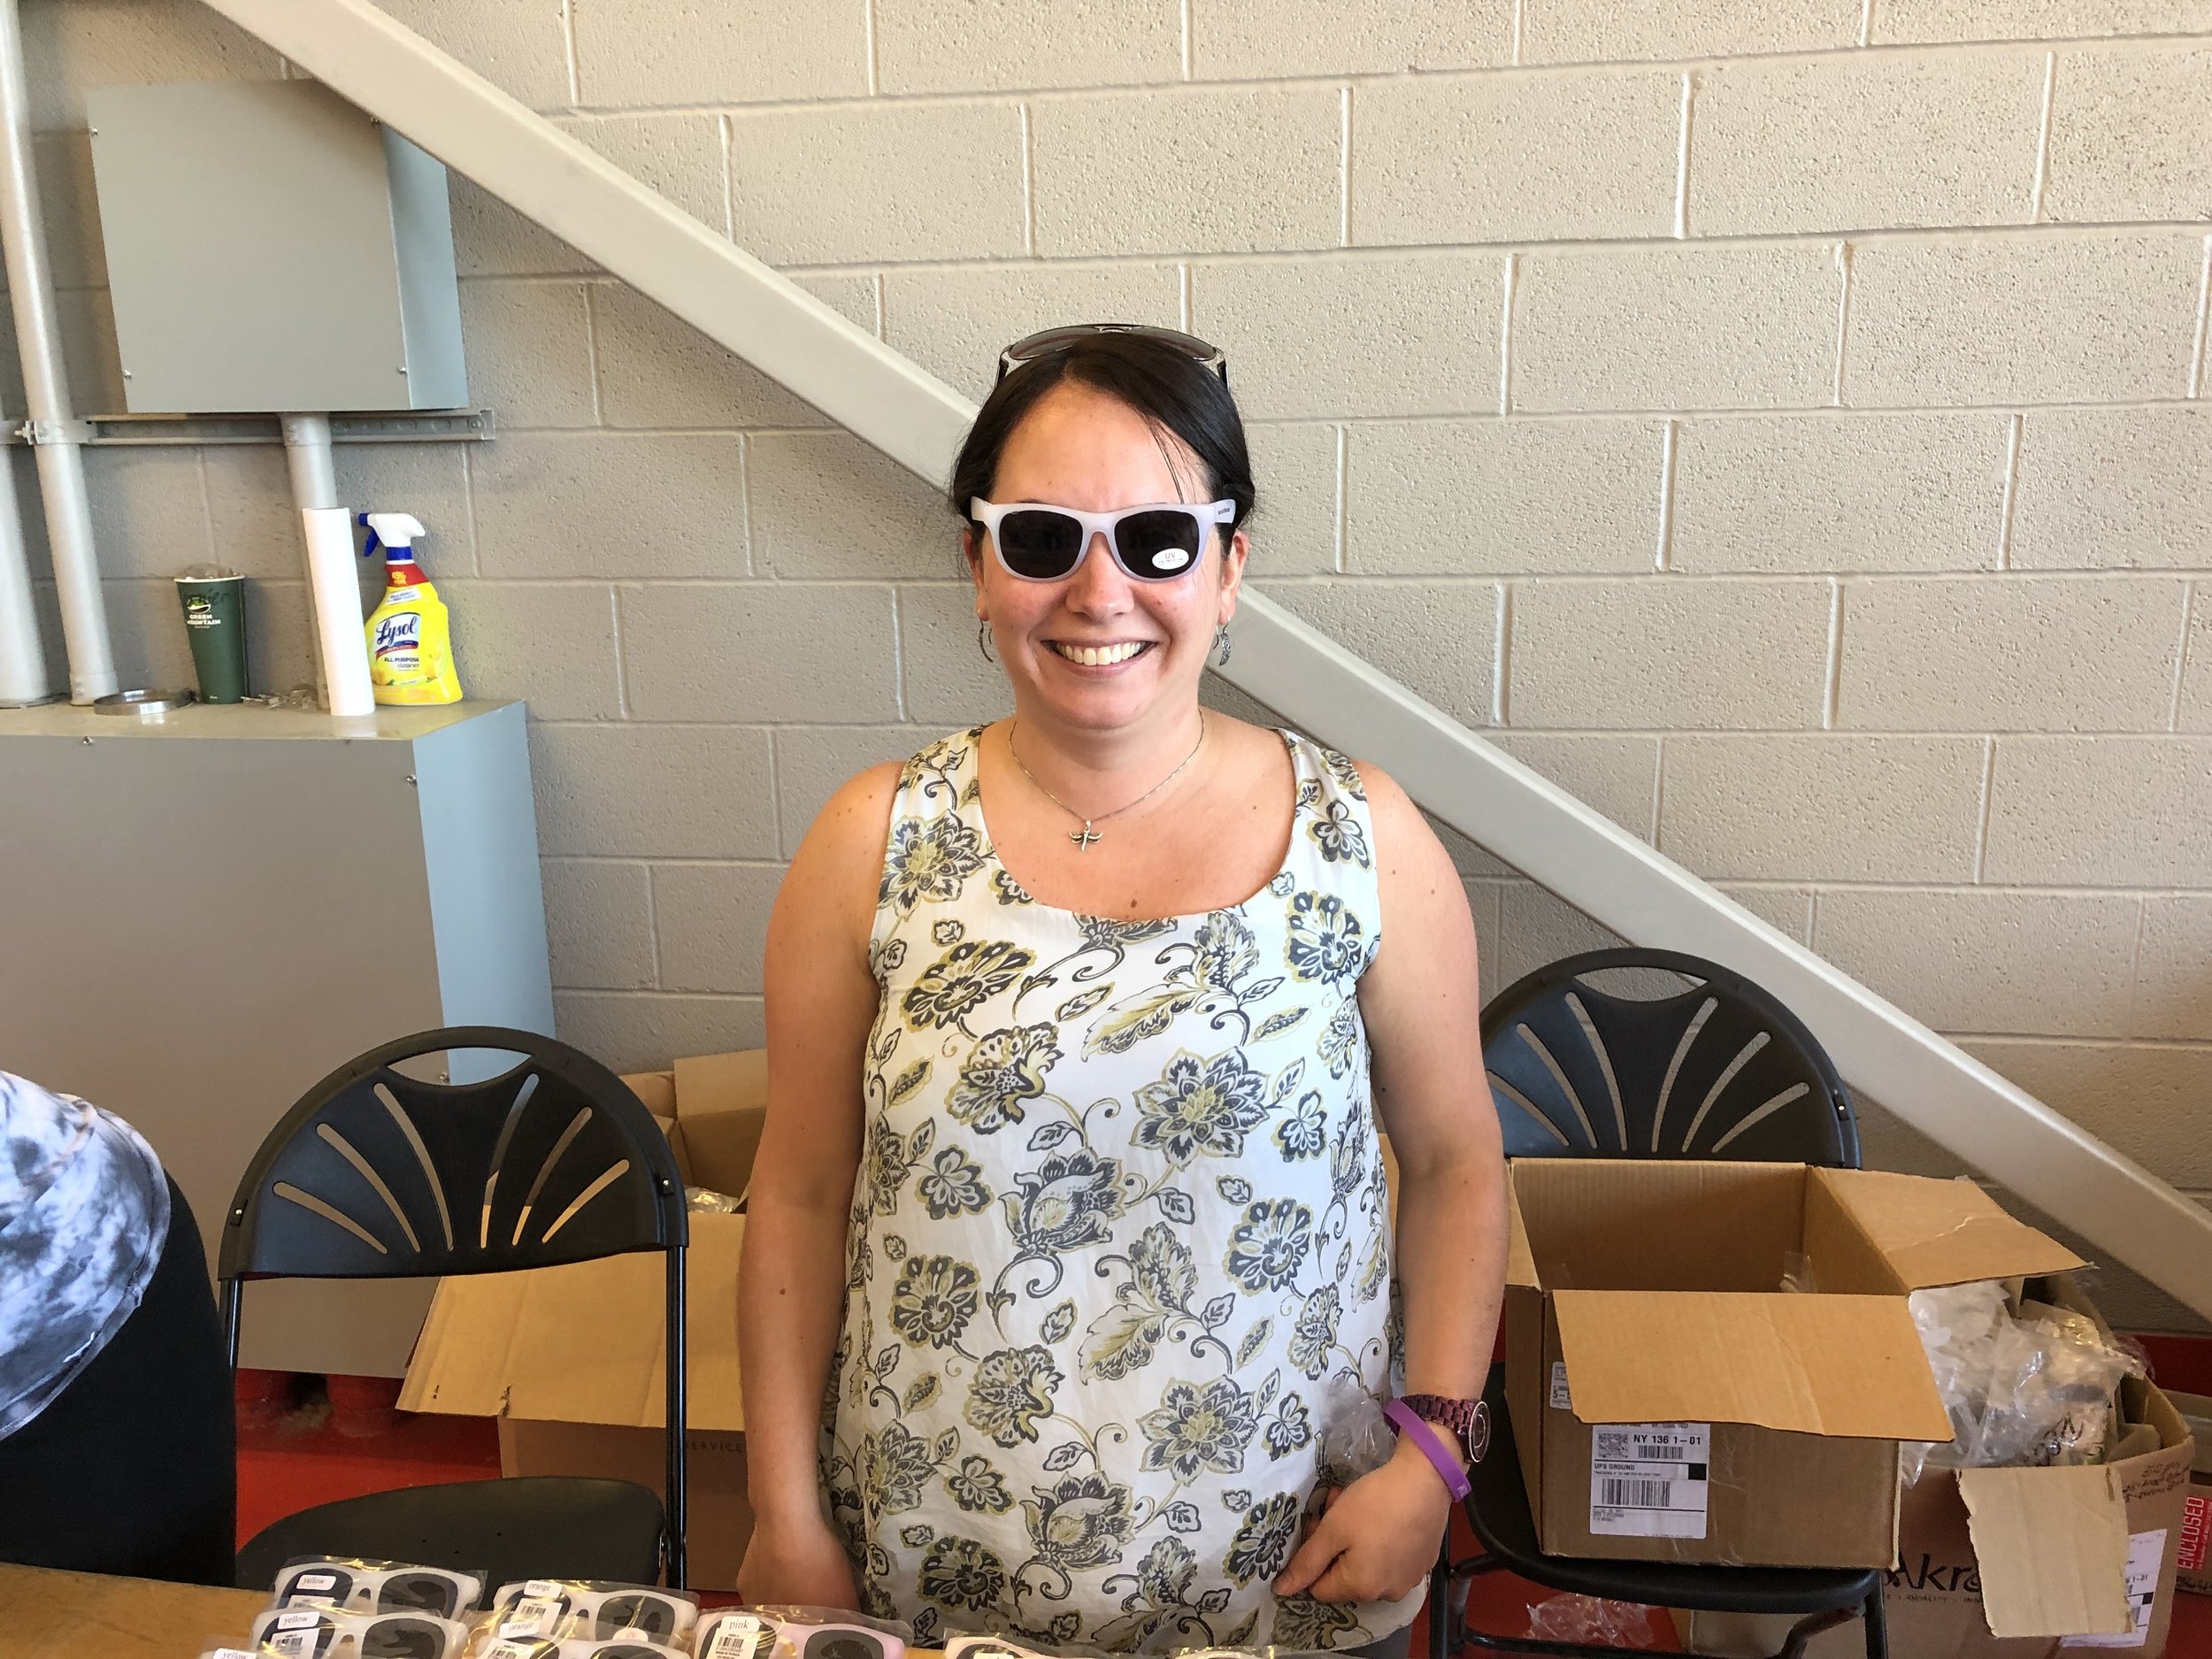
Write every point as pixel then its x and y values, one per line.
pixel 1173 392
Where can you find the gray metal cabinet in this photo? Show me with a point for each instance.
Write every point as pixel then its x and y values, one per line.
pixel 202 915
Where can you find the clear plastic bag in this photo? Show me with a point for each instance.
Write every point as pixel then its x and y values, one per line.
pixel 2023 1390
pixel 556 1609
pixel 358 1585
pixel 1356 1437
pixel 1587 1618
pixel 316 1633
pixel 802 1633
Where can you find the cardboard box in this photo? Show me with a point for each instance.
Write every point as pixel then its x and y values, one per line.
pixel 572 1360
pixel 2194 1568
pixel 1673 1401
pixel 2021 1564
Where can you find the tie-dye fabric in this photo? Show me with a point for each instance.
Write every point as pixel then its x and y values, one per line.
pixel 84 1211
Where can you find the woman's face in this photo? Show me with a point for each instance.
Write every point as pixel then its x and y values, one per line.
pixel 1080 448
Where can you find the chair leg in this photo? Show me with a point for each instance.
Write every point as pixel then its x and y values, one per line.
pixel 1877 1625
pixel 1440 1642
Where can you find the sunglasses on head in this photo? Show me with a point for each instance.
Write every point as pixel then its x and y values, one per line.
pixel 1155 543
pixel 552 1607
pixel 1046 341
pixel 330 1634
pixel 360 1586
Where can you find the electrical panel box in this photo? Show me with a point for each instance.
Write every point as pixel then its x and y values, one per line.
pixel 271 248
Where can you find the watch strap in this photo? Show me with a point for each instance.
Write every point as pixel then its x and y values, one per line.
pixel 1469 1420
pixel 1433 1448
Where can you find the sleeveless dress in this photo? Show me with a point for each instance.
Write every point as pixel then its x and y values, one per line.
pixel 1120 1220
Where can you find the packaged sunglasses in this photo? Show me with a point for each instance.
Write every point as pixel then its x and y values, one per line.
pixel 576 1648
pixel 799 1632
pixel 376 1586
pixel 593 1610
pixel 312 1632
pixel 1040 542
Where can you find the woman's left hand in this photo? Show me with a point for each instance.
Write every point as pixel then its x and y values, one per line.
pixel 1378 1540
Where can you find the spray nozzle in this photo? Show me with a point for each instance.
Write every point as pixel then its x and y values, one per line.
pixel 389 532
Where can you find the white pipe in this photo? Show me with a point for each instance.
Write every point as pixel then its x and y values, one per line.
pixel 84 617
pixel 23 679
pixel 307 456
pixel 739 303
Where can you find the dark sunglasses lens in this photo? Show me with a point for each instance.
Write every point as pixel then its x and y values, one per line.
pixel 403 1639
pixel 842 1644
pixel 416 1593
pixel 1038 543
pixel 623 1650
pixel 648 1613
pixel 1154 545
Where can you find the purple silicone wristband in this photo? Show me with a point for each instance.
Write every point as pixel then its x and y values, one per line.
pixel 1455 1481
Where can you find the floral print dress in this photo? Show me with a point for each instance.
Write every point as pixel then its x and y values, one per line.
pixel 1120 1219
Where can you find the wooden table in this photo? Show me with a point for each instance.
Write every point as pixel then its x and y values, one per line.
pixel 46 1615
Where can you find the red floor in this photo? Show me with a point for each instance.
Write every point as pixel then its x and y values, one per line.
pixel 299 1450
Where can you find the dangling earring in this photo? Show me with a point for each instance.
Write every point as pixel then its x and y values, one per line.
pixel 1221 643
pixel 983 640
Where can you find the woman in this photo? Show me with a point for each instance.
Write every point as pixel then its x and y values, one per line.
pixel 1070 1206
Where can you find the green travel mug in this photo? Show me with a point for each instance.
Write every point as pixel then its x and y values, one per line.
pixel 215 621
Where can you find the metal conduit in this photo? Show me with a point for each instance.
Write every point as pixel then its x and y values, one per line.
pixel 53 431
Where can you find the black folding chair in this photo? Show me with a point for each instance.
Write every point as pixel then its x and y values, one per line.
pixel 378 1175
pixel 1718 1069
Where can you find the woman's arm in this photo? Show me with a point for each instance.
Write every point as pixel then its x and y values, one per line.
pixel 821 1001
pixel 1422 1007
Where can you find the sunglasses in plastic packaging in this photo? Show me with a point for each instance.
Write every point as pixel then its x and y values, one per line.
pixel 329 1634
pixel 370 1587
pixel 737 1633
pixel 577 1647
pixel 1039 542
pixel 987 1647
pixel 604 1612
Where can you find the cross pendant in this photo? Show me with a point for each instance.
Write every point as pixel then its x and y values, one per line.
pixel 1084 837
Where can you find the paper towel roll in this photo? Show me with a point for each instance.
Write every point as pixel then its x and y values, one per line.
pixel 338 636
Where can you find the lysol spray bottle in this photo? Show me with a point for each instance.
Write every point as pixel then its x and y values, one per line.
pixel 411 637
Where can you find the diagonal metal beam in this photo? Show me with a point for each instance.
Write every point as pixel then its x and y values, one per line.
pixel 918 420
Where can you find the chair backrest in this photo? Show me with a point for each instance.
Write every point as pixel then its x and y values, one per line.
pixel 375 1174
pixel 1721 1069
pixel 378 1175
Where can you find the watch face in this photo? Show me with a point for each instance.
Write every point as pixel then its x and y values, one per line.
pixel 1478 1436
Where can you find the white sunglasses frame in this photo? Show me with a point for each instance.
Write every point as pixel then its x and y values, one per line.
pixel 1205 515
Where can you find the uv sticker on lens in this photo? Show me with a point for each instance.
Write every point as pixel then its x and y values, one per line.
pixel 1171 558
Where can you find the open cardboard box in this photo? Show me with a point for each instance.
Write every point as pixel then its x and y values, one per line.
pixel 1673 1401
pixel 2023 1564
pixel 572 1360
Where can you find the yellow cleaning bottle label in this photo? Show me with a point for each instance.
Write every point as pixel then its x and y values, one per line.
pixel 411 647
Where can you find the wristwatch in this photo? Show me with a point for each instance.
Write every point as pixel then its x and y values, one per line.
pixel 1469 1420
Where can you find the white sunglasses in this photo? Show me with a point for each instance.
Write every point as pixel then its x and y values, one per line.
pixel 1153 543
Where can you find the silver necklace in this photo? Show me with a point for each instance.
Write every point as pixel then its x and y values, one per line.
pixel 1085 837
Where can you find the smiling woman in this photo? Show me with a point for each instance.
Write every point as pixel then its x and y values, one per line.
pixel 1070 1206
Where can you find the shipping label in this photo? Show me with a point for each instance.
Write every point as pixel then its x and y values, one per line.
pixel 1649 1480
pixel 2146 1552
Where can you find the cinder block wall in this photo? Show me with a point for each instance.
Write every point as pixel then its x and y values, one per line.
pixel 1782 424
